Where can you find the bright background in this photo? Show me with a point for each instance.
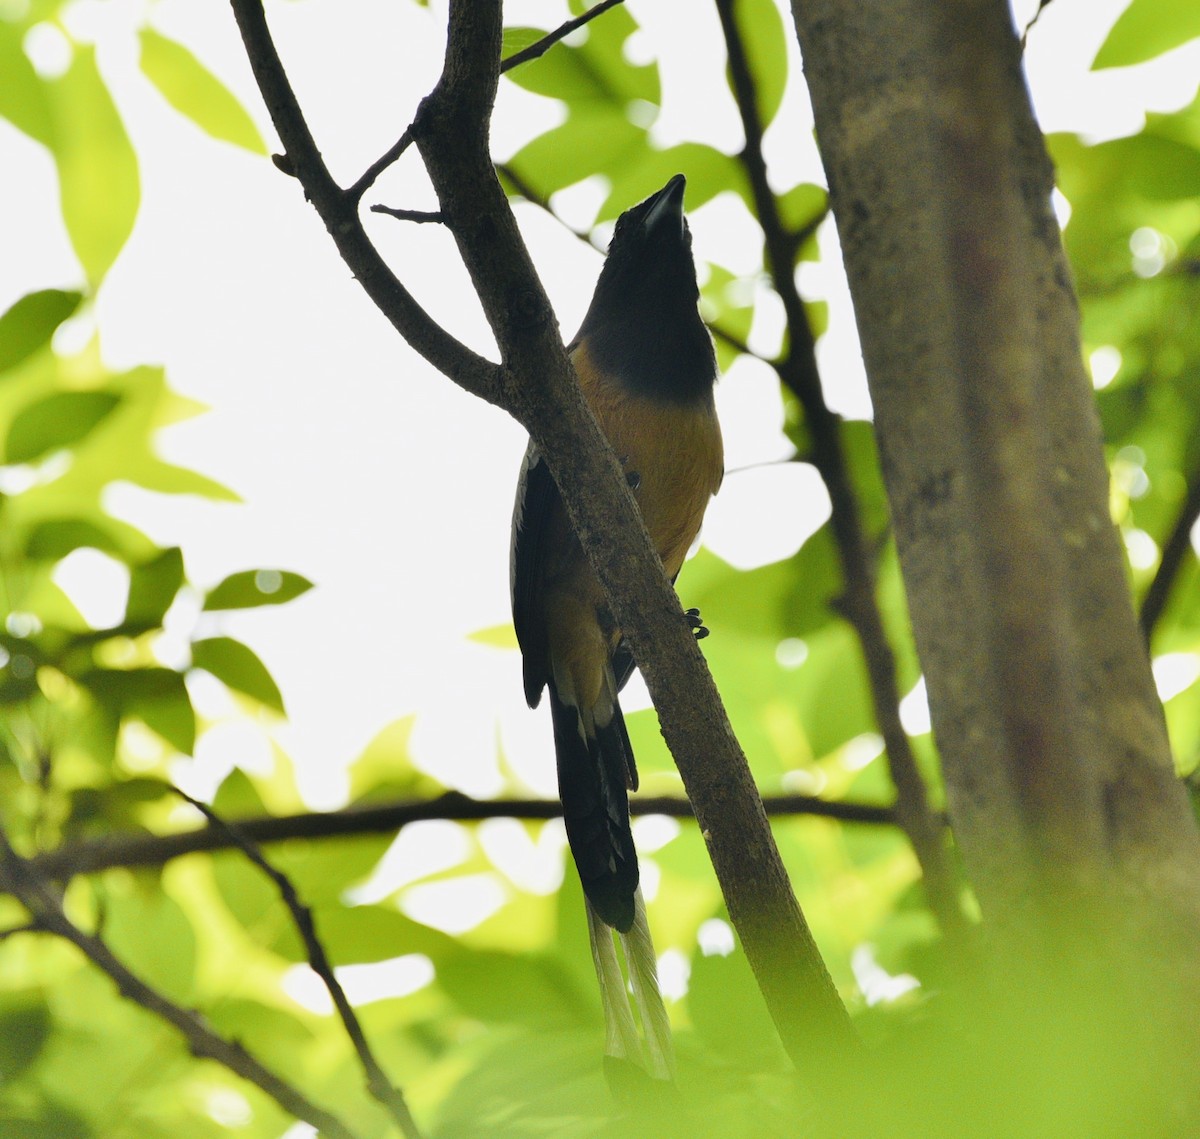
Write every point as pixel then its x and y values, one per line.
pixel 358 466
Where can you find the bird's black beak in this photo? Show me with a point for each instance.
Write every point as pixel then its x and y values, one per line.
pixel 667 204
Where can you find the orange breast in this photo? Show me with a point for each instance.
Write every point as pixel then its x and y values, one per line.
pixel 675 450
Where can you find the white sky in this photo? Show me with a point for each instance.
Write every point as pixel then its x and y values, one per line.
pixel 360 468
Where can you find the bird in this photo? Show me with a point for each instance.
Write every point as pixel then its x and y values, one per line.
pixel 646 365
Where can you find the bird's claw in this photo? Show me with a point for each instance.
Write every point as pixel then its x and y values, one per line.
pixel 696 623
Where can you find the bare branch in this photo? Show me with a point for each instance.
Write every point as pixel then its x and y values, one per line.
pixel 1174 556
pixel 537 50
pixel 339 211
pixel 378 1083
pixel 355 192
pixel 93 855
pixel 424 216
pixel 1042 6
pixel 858 604
pixel 19 878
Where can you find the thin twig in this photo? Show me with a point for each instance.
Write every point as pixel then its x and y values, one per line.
pixel 19 877
pixel 534 51
pixel 372 172
pixel 538 49
pixel 424 216
pixel 798 371
pixel 338 209
pixel 132 850
pixel 378 1083
pixel 1174 556
pixel 1042 6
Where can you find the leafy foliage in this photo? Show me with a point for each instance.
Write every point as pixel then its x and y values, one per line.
pixel 494 1030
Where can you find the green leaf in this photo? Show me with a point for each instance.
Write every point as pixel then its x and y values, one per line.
pixel 596 139
pixel 517 39
pixel 31 322
pixel 57 537
pixel 802 208
pixel 25 1027
pixel 709 172
pixel 727 1010
pixel 57 421
pixel 147 929
pixel 23 100
pixel 385 768
pixel 237 667
pixel 195 92
pixel 791 598
pixel 153 586
pixel 727 311
pixel 97 166
pixel 156 696
pixel 764 39
pixel 249 589
pixel 496 636
pixel 510 988
pixel 1146 29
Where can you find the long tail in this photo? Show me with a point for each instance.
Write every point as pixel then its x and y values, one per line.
pixel 595 767
pixel 654 1050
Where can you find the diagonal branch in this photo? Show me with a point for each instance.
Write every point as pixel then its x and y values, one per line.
pixel 19 877
pixel 858 603
pixel 93 855
pixel 1174 556
pixel 378 1083
pixel 338 209
pixel 538 49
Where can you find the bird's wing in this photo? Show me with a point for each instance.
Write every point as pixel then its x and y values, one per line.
pixel 537 502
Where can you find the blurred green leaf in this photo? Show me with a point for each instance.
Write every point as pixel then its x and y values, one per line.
pixel 801 209
pixel 237 667
pixel 149 932
pixel 496 636
pixel 249 589
pixel 596 139
pixel 196 93
pixel 1146 29
pixel 517 39
pixel 31 322
pixel 765 41
pixel 24 1029
pixel 709 172
pixel 54 422
pixel 501 988
pixel 727 1010
pixel 57 537
pixel 97 166
pixel 153 586
pixel 727 311
pixel 238 798
pixel 156 696
pixel 23 98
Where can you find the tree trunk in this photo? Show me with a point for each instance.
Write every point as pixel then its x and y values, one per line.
pixel 1077 836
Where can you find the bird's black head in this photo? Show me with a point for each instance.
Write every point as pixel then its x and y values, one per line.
pixel 643 326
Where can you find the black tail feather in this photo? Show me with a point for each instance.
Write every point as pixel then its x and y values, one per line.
pixel 593 772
